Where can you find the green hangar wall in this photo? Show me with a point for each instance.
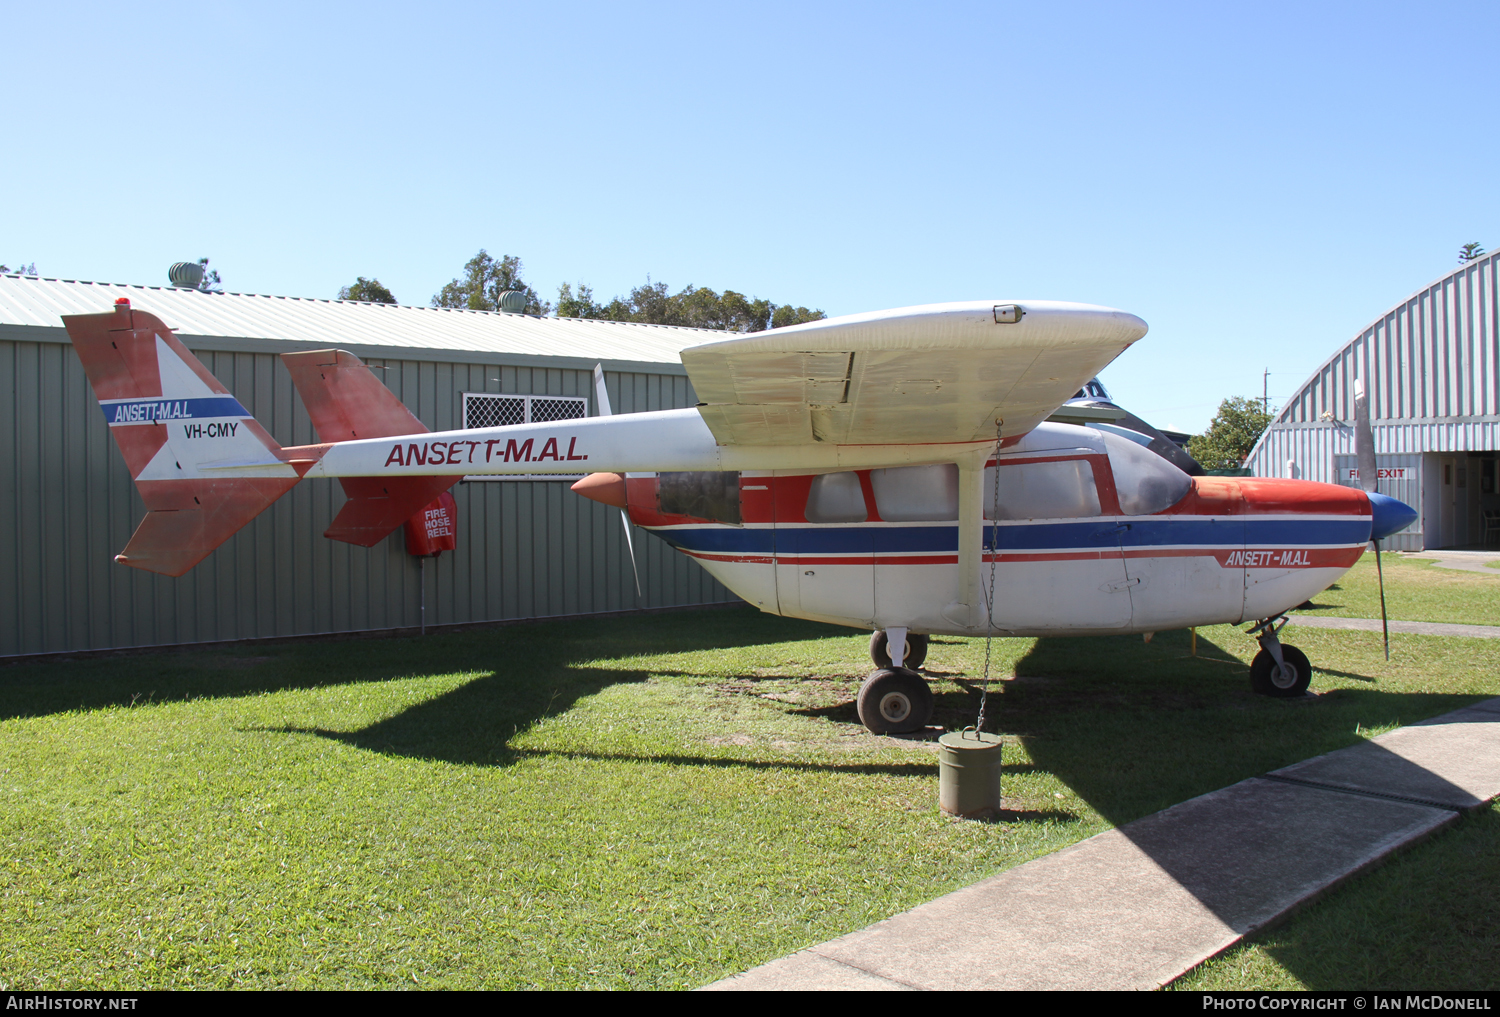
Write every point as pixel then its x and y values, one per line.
pixel 526 549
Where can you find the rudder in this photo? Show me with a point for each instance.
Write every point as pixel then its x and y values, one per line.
pixel 346 401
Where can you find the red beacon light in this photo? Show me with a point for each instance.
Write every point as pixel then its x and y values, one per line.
pixel 122 301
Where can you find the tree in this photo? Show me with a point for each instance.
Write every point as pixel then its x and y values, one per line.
pixel 20 269
pixel 1231 435
pixel 786 315
pixel 1469 252
pixel 484 279
pixel 692 306
pixel 577 305
pixel 368 290
pixel 211 283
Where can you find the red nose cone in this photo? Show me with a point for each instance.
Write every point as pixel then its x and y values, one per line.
pixel 608 488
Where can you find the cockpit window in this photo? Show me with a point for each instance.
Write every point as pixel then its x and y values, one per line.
pixel 701 495
pixel 836 498
pixel 916 493
pixel 1145 482
pixel 1046 490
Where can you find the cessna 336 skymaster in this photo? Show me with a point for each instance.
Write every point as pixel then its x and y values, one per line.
pixel 889 471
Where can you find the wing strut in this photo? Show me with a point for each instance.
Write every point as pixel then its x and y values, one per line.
pixel 966 607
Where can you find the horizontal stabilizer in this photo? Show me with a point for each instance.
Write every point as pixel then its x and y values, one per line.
pixel 188 519
pixel 377 505
pixel 346 402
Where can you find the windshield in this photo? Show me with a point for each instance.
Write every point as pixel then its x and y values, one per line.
pixel 1145 482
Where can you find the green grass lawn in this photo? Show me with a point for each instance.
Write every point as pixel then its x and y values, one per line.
pixel 1415 590
pixel 641 802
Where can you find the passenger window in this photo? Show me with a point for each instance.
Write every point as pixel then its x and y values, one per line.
pixel 1145 482
pixel 916 493
pixel 836 498
pixel 1031 490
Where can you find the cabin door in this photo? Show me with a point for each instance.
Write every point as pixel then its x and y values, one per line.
pixel 1058 561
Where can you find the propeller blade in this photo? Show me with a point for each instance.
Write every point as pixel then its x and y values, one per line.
pixel 630 543
pixel 1364 452
pixel 601 401
pixel 601 393
pixel 1364 437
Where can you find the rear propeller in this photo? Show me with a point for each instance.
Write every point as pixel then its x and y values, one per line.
pixel 601 397
pixel 1364 452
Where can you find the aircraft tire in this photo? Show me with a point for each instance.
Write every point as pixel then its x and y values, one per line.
pixel 1266 682
pixel 916 649
pixel 895 700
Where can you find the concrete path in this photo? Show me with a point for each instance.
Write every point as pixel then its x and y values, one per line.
pixel 1410 628
pixel 1463 561
pixel 1134 907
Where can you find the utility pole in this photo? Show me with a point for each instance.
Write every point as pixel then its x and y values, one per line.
pixel 1265 391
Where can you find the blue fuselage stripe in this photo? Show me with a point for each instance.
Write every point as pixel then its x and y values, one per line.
pixel 1174 531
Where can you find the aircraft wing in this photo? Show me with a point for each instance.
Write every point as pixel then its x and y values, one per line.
pixel 937 373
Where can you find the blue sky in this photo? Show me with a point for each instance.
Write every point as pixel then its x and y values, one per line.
pixel 1256 181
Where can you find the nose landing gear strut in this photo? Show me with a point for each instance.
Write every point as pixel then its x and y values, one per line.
pixel 1278 670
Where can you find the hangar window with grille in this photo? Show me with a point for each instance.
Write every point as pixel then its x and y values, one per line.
pixel 485 409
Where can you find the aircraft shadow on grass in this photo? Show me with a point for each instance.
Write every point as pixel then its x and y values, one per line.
pixel 1130 728
pixel 528 648
pixel 475 723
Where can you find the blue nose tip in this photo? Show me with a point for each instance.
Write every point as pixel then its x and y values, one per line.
pixel 1387 515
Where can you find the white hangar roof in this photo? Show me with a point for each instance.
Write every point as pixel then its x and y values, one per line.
pixel 31 306
pixel 1431 366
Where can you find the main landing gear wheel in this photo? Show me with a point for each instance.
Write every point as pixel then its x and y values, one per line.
pixel 916 649
pixel 895 700
pixel 1267 679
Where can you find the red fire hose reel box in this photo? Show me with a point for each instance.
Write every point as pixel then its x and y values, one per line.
pixel 434 529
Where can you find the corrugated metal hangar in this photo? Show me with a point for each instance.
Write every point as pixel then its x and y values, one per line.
pixel 1431 367
pixel 526 548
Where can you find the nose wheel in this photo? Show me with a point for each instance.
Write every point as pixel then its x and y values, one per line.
pixel 1285 680
pixel 895 700
pixel 1278 670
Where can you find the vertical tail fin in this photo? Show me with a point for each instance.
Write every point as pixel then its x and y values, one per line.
pixel 202 464
pixel 346 401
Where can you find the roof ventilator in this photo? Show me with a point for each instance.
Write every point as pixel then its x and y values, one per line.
pixel 187 275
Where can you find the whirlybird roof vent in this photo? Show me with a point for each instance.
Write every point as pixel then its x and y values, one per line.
pixel 187 275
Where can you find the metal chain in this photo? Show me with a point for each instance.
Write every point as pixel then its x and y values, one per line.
pixel 989 601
